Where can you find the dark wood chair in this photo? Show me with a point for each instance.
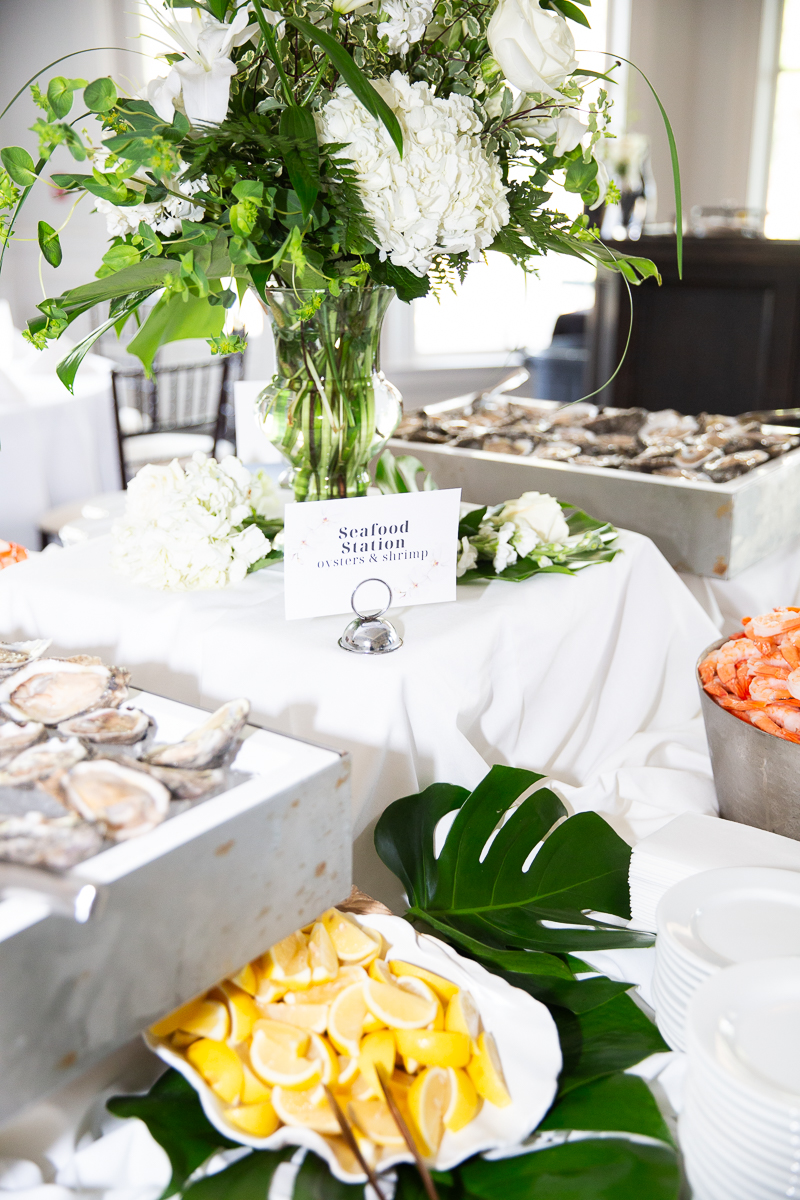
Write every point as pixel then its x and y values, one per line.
pixel 724 339
pixel 180 410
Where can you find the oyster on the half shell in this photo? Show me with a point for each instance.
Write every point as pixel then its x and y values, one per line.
pixel 123 802
pixel 55 842
pixel 15 738
pixel 184 783
pixel 118 726
pixel 14 655
pixel 52 690
pixel 206 745
pixel 42 761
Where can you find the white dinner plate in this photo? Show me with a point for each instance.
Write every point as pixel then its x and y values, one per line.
pixel 670 953
pixel 526 1037
pixel 746 1022
pixel 710 1179
pixel 743 1151
pixel 744 1120
pixel 733 915
pixel 747 1105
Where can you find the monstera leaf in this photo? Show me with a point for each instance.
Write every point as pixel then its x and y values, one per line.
pixel 514 883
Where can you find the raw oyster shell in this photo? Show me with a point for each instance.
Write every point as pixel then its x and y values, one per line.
pixel 15 738
pixel 557 451
pixel 119 726
pixel 206 745
pixel 54 689
pixel 55 842
pixel 14 655
pixel 184 783
pixel 617 420
pixel 40 762
pixel 123 802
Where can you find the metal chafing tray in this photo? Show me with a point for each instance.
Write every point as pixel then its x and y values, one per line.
pixel 715 529
pixel 178 908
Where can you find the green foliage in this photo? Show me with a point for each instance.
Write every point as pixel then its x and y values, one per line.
pixel 610 1038
pixel 101 95
pixel 398 475
pixel 595 546
pixel 19 165
pixel 621 1103
pixel 49 244
pixel 594 1169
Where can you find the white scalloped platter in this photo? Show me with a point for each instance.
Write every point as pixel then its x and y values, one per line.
pixel 526 1037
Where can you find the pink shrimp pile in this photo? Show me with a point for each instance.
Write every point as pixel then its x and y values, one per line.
pixel 756 675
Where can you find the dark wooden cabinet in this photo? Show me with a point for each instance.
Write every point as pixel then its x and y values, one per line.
pixel 725 338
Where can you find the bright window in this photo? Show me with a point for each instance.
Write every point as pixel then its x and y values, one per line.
pixel 783 213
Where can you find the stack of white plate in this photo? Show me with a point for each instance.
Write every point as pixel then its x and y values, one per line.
pixel 712 921
pixel 740 1126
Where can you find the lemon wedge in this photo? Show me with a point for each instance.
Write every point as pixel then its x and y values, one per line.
pixel 486 1071
pixel 434 1047
pixel 259 1120
pixel 287 962
pixel 325 993
pixel 372 1023
pixel 246 979
pixel 348 1070
pixel 313 1017
pixel 418 988
pixel 428 1100
pixel 444 989
pixel 308 1109
pixel 377 1049
pixel 464 1104
pixel 397 1007
pixel 374 1119
pixel 323 1052
pixel 219 1065
pixel 242 1009
pixel 269 992
pixel 346 1020
pixel 278 1060
pixel 378 970
pixel 322 955
pixel 462 1016
pixel 180 1039
pixel 353 943
pixel 205 1018
pixel 253 1090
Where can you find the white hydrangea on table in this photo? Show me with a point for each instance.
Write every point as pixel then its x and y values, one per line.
pixel 191 527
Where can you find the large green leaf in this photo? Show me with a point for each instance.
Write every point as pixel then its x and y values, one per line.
pixel 591 1169
pixel 353 76
pixel 248 1178
pixel 19 165
pixel 603 1041
pixel 622 1103
pixel 172 1112
pixel 315 1182
pixel 68 367
pixel 49 244
pixel 174 318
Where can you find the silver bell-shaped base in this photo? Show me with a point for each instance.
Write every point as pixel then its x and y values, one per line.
pixel 369 633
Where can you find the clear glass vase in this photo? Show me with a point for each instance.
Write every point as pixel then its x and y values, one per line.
pixel 329 409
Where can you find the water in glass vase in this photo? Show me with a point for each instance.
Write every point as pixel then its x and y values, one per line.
pixel 329 409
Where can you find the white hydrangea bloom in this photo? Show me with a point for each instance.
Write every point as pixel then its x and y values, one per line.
pixel 467 557
pixel 444 196
pixel 164 217
pixel 264 496
pixel 180 526
pixel 406 24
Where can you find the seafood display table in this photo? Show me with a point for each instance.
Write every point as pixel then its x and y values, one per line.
pixel 587 678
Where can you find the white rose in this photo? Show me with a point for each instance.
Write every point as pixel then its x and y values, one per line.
pixel 602 183
pixel 567 130
pixel 467 557
pixel 533 46
pixel 505 555
pixel 538 513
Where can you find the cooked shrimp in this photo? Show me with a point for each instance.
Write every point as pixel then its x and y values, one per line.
pixel 771 624
pixel 708 667
pixel 777 667
pixel 728 658
pixel 785 715
pixel 766 687
pixel 762 721
pixel 793 684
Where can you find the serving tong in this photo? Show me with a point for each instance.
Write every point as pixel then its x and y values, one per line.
pixel 64 897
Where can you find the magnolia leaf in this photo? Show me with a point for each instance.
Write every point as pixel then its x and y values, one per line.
pixel 248 1178
pixel 59 95
pixel 100 95
pixel 315 1182
pixel 590 1169
pixel 604 1040
pixel 49 244
pixel 172 1112
pixel 173 319
pixel 622 1103
pixel 19 165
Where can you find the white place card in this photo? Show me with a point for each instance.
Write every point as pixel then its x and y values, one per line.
pixel 409 541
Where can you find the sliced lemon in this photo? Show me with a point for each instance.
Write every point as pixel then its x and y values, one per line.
pixel 486 1071
pixel 325 993
pixel 444 989
pixel 253 1090
pixel 206 1018
pixel 259 1120
pixel 462 1016
pixel 313 1017
pixel 242 1009
pixel 434 1047
pixel 322 955
pixel 219 1065
pixel 246 979
pixel 288 1036
pixel 346 1020
pixel 308 1109
pixel 353 943
pixel 322 1051
pixel 275 1060
pixel 348 1070
pixel 379 971
pixel 419 988
pixel 372 1023
pixel 428 1101
pixel 269 992
pixel 378 952
pixel 374 1119
pixel 397 1007
pixel 180 1039
pixel 412 1065
pixel 464 1104
pixel 345 1157
pixel 287 961
pixel 377 1049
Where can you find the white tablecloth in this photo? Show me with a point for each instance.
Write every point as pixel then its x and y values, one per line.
pixel 589 678
pixel 771 583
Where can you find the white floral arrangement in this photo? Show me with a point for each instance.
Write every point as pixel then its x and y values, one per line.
pixel 198 526
pixel 527 536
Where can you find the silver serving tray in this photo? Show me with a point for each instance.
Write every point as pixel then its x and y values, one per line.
pixel 714 529
pixel 178 908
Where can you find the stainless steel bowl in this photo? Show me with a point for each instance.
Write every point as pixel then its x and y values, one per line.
pixel 757 775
